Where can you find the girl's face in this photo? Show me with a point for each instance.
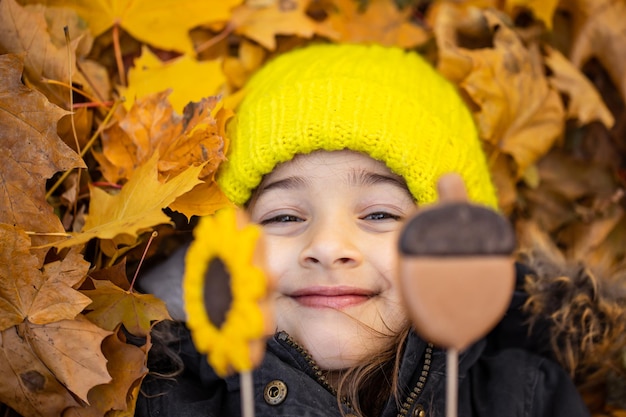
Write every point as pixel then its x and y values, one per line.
pixel 331 222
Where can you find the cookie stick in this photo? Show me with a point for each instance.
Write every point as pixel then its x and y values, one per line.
pixel 456 273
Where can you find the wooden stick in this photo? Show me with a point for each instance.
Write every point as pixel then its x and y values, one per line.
pixel 247 394
pixel 452 382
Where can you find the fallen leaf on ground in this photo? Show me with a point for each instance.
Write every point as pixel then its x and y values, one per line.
pixel 25 30
pixel 187 78
pixel 585 103
pixel 286 17
pixel 518 113
pixel 32 152
pixel 152 125
pixel 28 386
pixel 381 22
pixel 599 32
pixel 161 23
pixel 111 306
pixel 138 206
pixel 127 365
pixel 29 293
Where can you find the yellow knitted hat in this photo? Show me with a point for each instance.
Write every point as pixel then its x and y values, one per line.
pixel 385 102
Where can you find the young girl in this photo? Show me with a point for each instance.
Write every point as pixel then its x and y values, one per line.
pixel 333 147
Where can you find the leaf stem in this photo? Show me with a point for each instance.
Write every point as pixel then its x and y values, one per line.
pixel 215 39
pixel 118 54
pixel 81 92
pixel 152 236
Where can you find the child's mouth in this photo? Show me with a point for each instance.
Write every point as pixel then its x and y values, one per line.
pixel 331 297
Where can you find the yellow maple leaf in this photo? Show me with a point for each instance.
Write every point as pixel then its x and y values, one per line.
pixel 137 208
pixel 112 305
pixel 181 75
pixel 380 22
pixel 287 17
pixel 161 23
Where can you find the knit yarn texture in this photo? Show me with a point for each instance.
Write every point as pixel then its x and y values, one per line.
pixel 385 102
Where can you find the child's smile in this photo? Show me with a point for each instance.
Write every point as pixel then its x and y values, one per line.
pixel 337 297
pixel 331 222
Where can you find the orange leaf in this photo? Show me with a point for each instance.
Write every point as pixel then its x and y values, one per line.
pixel 32 152
pixel 285 17
pixel 380 22
pixel 152 126
pixel 137 208
pixel 585 103
pixel 111 306
pixel 27 292
pixel 28 386
pixel 71 350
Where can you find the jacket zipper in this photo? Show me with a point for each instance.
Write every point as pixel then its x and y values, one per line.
pixel 419 387
pixel 317 371
pixel 321 378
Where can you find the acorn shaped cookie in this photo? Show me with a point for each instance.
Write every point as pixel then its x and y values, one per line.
pixel 456 268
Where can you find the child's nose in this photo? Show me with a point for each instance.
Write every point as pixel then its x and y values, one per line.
pixel 331 245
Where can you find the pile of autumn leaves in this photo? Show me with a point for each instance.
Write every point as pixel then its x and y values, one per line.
pixel 85 178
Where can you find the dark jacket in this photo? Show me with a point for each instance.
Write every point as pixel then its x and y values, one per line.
pixel 498 376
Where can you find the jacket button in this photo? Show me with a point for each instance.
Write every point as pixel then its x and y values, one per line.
pixel 418 411
pixel 275 392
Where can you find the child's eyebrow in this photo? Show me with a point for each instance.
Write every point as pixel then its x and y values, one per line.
pixel 288 183
pixel 358 178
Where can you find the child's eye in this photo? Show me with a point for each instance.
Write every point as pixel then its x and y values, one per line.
pixel 381 215
pixel 281 218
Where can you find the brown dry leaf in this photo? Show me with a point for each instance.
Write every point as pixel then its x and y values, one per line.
pixel 152 126
pixel 519 114
pixel 112 306
pixel 138 206
pixel 116 274
pixel 127 365
pixel 381 22
pixel 27 385
pixel 27 292
pixel 563 181
pixel 71 350
pixel 25 30
pixel 173 18
pixel 585 103
pixel 32 152
pixel 284 17
pixel 586 237
pixel 600 32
